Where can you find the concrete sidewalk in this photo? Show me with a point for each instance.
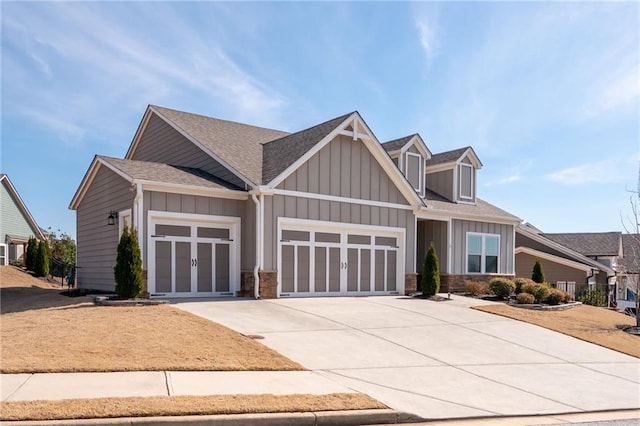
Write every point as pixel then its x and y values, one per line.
pixel 56 386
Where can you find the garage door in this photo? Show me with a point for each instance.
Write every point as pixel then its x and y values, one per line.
pixel 193 256
pixel 340 260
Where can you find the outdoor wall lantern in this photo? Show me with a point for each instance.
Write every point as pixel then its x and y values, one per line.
pixel 113 216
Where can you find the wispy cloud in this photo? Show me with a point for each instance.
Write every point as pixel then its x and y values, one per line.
pixel 124 67
pixel 599 172
pixel 427 38
pixel 515 177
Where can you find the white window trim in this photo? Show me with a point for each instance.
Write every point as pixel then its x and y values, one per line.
pixel 460 195
pixel 4 260
pixel 420 188
pixel 121 215
pixel 482 255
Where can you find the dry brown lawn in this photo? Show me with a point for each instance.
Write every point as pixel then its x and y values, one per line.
pixel 73 335
pixel 588 323
pixel 183 406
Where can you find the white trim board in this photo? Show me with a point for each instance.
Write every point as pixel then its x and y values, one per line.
pixel 317 196
pixel 555 259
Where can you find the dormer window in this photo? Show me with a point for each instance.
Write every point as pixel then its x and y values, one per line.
pixel 414 170
pixel 466 174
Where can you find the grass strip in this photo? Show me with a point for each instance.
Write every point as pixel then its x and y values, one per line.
pixel 69 409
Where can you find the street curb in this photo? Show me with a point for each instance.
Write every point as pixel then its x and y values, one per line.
pixel 318 418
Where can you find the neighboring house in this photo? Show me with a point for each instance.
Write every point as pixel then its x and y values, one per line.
pixel 225 208
pixel 629 271
pixel 16 223
pixel 563 265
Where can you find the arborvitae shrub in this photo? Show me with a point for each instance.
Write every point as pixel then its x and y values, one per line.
pixel 41 267
pixel 128 269
pixel 502 287
pixel 537 275
pixel 431 272
pixel 32 254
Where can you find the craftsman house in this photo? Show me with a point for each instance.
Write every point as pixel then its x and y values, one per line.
pixel 225 209
pixel 16 223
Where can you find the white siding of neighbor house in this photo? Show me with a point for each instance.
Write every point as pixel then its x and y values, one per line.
pixel 459 244
pixel 12 220
pixel 96 240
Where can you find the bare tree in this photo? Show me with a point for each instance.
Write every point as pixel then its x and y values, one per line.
pixel 630 261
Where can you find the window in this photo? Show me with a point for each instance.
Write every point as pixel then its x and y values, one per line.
pixel 3 254
pixel 414 170
pixel 483 252
pixel 465 176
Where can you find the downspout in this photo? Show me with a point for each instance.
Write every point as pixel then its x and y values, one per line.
pixel 256 268
pixel 137 218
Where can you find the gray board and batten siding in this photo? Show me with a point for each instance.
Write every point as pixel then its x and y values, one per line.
pixel 97 241
pixel 459 244
pixel 343 168
pixel 161 143
pixel 428 231
pixel 441 183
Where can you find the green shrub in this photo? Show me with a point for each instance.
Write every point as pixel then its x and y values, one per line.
pixel 540 291
pixel 502 287
pixel 30 255
pixel 431 272
pixel 594 297
pixel 519 282
pixel 525 298
pixel 537 275
pixel 476 288
pixel 41 266
pixel 556 296
pixel 128 269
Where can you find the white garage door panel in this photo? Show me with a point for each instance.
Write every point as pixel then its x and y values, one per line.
pixel 320 259
pixel 193 255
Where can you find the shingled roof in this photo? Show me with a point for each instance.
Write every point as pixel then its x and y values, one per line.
pixel 396 144
pixel 447 156
pixel 237 144
pixel 281 153
pixel 481 208
pixel 590 243
pixel 165 173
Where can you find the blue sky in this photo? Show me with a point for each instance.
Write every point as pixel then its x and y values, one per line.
pixel 548 94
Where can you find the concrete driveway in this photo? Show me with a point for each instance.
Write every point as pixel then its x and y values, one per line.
pixel 436 359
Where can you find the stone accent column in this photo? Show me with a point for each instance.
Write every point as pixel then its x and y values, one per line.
pixel 268 284
pixel 145 289
pixel 247 282
pixel 410 283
